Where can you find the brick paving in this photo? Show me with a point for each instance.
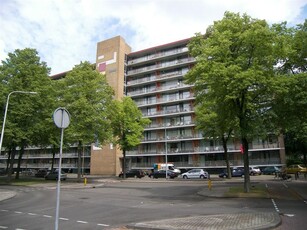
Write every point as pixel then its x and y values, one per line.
pixel 244 221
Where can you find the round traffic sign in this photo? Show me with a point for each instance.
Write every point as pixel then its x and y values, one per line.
pixel 61 118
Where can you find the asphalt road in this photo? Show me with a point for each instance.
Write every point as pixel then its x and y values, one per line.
pixel 121 203
pixel 290 201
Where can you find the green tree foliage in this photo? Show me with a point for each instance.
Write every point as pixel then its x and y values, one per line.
pixel 234 67
pixel 27 114
pixel 88 98
pixel 290 105
pixel 128 126
pixel 215 120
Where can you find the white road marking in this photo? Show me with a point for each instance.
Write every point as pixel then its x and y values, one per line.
pixel 32 214
pixel 275 205
pixel 4 210
pixel 290 215
pixel 3 227
pixel 82 222
pixel 63 218
pixel 47 216
pixel 18 212
pixel 104 225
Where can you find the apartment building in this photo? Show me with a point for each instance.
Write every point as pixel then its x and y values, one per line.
pixel 154 79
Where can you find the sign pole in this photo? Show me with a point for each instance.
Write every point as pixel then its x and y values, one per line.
pixel 59 184
pixel 61 119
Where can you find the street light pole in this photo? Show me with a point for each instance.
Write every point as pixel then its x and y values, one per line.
pixel 166 167
pixel 5 113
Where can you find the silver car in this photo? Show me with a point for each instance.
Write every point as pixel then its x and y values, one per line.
pixel 53 175
pixel 195 174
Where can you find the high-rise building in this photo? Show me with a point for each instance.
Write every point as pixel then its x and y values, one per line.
pixel 154 79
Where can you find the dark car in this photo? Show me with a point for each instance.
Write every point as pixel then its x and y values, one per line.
pixel 53 175
pixel 270 170
pixel 236 172
pixel 136 173
pixel 41 173
pixel 162 174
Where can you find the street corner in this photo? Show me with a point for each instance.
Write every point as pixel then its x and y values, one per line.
pixel 6 194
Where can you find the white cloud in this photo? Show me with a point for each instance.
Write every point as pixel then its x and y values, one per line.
pixel 66 32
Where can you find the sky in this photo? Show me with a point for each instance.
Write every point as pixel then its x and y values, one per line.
pixel 66 32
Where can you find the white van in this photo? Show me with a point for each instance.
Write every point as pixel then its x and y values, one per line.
pixel 170 167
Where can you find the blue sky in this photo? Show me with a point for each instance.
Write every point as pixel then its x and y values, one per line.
pixel 65 32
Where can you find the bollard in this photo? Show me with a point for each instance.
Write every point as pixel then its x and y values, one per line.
pixel 209 184
pixel 85 181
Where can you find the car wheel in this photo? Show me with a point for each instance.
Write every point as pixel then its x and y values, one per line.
pixel 202 177
pixel 185 177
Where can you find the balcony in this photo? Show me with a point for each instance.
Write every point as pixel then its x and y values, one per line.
pixel 197 150
pixel 168 112
pixel 155 101
pixel 160 89
pixel 159 55
pixel 169 125
pixel 154 78
pixel 160 66
pixel 211 163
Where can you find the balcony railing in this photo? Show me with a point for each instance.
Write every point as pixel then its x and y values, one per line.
pixel 157 89
pixel 210 149
pixel 161 113
pixel 211 163
pixel 155 77
pixel 158 55
pixel 164 100
pixel 161 65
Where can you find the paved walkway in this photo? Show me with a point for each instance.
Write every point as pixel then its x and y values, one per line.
pixel 255 220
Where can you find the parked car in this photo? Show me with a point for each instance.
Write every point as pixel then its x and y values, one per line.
pixel 253 170
pixel 162 174
pixel 53 175
pixel 2 171
pixel 41 173
pixel 293 169
pixel 28 172
pixel 195 173
pixel 136 173
pixel 235 172
pixel 269 170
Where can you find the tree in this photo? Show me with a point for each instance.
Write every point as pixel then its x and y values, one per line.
pixel 235 60
pixel 128 126
pixel 23 71
pixel 88 98
pixel 290 103
pixel 216 122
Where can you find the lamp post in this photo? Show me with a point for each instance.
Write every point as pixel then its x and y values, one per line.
pixel 166 167
pixel 6 108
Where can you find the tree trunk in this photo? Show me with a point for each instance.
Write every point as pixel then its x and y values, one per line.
pixel 8 160
pixel 21 152
pixel 79 160
pixel 53 157
pixel 246 165
pixel 124 164
pixel 11 166
pixel 226 156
